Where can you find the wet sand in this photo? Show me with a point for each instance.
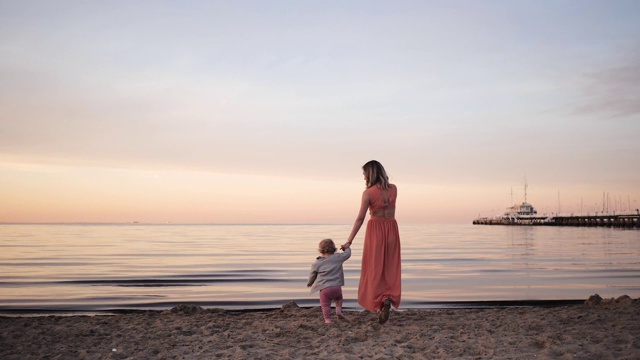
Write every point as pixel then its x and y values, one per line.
pixel 597 329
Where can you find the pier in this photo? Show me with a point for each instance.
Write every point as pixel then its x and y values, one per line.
pixel 623 220
pixel 616 221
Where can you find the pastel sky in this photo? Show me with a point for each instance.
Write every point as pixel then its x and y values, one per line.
pixel 265 111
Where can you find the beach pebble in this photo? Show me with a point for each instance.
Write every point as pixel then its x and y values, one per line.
pixel 594 300
pixel 290 305
pixel 624 299
pixel 186 309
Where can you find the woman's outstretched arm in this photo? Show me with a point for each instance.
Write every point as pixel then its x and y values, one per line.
pixel 364 205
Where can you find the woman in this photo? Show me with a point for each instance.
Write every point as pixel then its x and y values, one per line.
pixel 380 277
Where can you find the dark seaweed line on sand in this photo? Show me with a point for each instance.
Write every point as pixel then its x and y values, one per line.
pixel 252 306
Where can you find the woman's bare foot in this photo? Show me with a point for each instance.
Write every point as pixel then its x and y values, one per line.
pixel 384 313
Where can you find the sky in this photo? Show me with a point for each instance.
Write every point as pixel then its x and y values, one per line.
pixel 265 111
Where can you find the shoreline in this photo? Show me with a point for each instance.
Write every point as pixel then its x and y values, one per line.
pixel 413 305
pixel 597 328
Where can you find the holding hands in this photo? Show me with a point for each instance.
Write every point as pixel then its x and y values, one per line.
pixel 345 246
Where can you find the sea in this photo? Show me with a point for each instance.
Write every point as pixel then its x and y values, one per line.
pixel 128 267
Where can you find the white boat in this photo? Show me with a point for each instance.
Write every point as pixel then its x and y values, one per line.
pixel 523 214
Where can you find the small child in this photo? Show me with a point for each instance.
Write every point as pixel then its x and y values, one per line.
pixel 327 276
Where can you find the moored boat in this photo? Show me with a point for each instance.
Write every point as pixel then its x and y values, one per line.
pixel 523 214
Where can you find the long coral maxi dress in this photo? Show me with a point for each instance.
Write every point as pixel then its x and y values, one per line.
pixel 381 267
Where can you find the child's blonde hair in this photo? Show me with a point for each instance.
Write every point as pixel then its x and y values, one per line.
pixel 327 246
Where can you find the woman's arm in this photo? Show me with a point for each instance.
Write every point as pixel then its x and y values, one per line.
pixel 364 205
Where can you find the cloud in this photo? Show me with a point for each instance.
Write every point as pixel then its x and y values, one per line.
pixel 612 92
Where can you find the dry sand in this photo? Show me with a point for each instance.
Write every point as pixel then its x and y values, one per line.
pixel 598 329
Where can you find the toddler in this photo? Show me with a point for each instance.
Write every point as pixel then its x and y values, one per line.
pixel 327 276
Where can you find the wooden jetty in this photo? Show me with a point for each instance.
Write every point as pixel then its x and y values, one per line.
pixel 616 221
pixel 624 220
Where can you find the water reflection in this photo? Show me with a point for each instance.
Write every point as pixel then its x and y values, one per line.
pixel 146 266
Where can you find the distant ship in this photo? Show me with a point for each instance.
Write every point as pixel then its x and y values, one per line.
pixel 526 214
pixel 523 214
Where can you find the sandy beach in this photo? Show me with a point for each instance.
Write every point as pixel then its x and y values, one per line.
pixel 597 329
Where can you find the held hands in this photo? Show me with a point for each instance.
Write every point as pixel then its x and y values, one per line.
pixel 345 246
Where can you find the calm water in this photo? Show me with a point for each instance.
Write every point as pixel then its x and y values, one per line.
pixel 135 266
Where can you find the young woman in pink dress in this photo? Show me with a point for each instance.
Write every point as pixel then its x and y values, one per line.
pixel 380 283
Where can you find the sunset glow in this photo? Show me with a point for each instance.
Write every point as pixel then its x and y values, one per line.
pixel 264 112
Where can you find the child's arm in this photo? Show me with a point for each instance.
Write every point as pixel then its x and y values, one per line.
pixel 312 278
pixel 346 254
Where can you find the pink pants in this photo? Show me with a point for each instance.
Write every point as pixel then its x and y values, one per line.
pixel 328 294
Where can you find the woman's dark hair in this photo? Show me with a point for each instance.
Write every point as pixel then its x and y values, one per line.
pixel 375 175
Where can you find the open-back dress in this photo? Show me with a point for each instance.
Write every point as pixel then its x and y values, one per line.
pixel 381 268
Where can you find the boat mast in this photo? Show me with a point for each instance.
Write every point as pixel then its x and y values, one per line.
pixel 559 203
